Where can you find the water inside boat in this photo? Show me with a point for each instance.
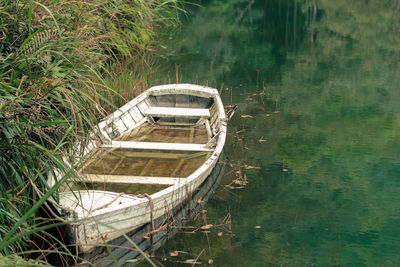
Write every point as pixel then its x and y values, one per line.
pixel 168 132
pixel 139 171
pixel 131 162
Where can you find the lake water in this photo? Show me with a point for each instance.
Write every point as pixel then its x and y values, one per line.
pixel 317 133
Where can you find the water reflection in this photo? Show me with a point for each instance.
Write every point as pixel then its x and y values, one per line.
pixel 317 80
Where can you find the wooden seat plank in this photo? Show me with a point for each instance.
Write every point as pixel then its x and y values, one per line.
pixel 158 146
pixel 177 112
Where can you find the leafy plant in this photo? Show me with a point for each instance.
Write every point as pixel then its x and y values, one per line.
pixel 58 63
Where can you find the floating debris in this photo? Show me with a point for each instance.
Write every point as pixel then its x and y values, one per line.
pixel 261 140
pixel 192 261
pixel 206 227
pixel 231 109
pixel 174 253
pixel 248 167
pixel 247 116
pixel 240 175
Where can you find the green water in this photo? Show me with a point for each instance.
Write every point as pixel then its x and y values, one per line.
pixel 317 83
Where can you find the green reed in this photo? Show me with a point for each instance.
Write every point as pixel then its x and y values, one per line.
pixel 61 70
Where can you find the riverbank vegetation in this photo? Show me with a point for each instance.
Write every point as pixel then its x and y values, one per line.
pixel 61 68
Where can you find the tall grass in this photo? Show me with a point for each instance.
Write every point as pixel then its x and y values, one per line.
pixel 61 69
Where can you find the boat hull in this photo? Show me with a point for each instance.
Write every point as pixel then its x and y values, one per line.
pixel 102 216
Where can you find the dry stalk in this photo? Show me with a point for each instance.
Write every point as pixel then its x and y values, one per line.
pixel 198 256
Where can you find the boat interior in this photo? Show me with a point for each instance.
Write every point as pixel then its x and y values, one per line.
pixel 158 142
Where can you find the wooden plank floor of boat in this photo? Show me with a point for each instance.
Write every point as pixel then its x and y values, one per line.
pixel 172 133
pixel 135 171
pixel 129 162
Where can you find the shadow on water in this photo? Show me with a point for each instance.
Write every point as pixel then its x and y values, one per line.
pixel 317 86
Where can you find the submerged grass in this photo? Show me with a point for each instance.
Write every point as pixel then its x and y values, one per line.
pixel 62 68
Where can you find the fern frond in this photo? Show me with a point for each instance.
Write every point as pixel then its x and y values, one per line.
pixel 37 40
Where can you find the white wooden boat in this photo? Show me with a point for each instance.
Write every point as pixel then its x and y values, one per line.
pixel 156 151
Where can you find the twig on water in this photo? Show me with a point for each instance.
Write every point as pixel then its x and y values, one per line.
pixel 198 256
pixel 231 111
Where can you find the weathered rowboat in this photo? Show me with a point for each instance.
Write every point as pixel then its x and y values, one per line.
pixel 156 151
